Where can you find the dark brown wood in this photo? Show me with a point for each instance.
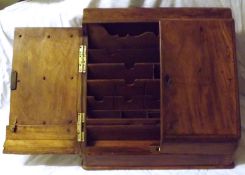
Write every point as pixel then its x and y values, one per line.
pixel 198 69
pixel 157 161
pixel 199 109
pixel 116 15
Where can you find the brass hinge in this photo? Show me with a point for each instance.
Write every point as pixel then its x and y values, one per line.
pixel 80 127
pixel 82 59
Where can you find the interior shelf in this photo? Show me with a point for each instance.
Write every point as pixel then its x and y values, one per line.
pixel 123 82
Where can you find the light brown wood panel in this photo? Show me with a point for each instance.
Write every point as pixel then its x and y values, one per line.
pixel 199 79
pixel 39 132
pixel 46 62
pixel 46 98
pixel 40 146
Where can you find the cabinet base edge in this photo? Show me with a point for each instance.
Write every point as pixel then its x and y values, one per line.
pixel 157 161
pixel 163 167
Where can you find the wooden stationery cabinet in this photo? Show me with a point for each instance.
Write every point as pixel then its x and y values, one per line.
pixel 131 89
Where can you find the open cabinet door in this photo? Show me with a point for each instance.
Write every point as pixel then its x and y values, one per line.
pixel 45 91
pixel 199 82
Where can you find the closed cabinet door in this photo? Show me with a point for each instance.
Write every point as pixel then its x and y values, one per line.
pixel 198 80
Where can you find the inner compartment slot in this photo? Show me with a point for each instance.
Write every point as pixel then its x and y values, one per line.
pixel 123 82
pixel 121 71
pixel 146 55
pixel 123 132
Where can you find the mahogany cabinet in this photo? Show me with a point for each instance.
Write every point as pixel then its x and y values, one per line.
pixel 131 89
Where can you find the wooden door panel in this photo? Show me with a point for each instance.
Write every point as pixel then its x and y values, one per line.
pixel 45 101
pixel 199 79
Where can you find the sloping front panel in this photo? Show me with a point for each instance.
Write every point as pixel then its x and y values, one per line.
pixel 45 90
pixel 199 80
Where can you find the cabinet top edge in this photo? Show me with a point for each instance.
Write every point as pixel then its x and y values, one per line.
pixel 111 15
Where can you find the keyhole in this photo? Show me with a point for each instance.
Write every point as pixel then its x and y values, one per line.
pixel 168 80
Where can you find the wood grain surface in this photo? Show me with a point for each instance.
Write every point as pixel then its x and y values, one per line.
pixel 199 79
pixel 116 15
pixel 44 103
pixel 145 108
